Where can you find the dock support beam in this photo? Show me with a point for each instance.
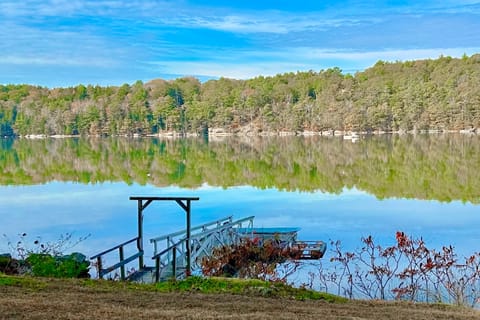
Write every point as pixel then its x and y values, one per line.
pixel 186 206
pixel 140 207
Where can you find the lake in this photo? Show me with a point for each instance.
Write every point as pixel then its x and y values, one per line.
pixel 333 189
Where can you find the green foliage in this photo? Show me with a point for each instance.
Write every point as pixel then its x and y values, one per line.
pixel 45 259
pixel 71 266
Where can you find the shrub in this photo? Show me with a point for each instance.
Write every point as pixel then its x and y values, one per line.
pixel 407 270
pixel 70 266
pixel 45 259
pixel 251 259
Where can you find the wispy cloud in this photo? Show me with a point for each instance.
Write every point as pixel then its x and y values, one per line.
pixel 249 64
pixel 387 55
pixel 52 61
pixel 77 7
pixel 274 23
pixel 453 7
pixel 23 45
pixel 177 15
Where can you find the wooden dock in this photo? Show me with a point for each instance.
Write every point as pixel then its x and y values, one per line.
pixel 178 254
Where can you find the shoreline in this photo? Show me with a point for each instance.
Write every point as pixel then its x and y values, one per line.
pixel 218 133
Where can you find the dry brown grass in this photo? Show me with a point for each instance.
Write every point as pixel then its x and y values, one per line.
pixel 73 299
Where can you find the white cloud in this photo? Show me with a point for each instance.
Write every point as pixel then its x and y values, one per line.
pixel 375 55
pixel 53 61
pixel 109 8
pixel 236 70
pixel 23 45
pixel 249 64
pixel 456 6
pixel 40 8
pixel 274 23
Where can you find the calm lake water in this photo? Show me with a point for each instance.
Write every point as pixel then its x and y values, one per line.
pixel 333 189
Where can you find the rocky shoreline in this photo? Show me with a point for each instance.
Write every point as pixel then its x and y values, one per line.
pixel 250 132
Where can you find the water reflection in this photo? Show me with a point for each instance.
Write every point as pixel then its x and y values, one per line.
pixel 332 189
pixel 440 167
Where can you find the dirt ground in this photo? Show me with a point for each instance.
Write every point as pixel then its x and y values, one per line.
pixel 76 301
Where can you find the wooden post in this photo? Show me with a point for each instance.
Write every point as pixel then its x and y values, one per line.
pixel 122 268
pixel 174 263
pixel 189 255
pixel 99 267
pixel 140 233
pixel 157 268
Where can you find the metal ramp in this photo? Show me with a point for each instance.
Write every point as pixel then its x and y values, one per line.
pixel 170 262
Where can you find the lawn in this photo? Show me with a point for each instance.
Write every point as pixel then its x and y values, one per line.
pixel 44 298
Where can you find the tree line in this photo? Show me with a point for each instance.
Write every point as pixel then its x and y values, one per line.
pixel 433 94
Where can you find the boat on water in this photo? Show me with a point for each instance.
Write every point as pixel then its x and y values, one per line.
pixel 287 237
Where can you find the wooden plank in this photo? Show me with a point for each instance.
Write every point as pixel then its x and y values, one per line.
pixel 120 264
pixel 114 248
pixel 163 198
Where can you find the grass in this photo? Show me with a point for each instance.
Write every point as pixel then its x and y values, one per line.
pixel 216 285
pixel 23 282
pixel 245 287
pixel 196 298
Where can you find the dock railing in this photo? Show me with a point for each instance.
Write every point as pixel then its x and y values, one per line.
pixel 171 238
pixel 121 256
pixel 161 265
pixel 202 244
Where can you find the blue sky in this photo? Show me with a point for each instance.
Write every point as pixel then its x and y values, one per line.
pixel 111 42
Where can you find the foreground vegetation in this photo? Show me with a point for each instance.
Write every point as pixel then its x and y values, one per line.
pixel 407 271
pixel 191 284
pixel 440 94
pixel 42 298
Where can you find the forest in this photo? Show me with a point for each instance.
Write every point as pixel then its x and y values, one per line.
pixel 434 94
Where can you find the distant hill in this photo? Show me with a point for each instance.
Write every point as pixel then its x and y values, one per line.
pixel 440 94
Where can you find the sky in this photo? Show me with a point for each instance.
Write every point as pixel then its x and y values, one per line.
pixel 61 43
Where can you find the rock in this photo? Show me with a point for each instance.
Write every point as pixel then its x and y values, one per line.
pixel 11 266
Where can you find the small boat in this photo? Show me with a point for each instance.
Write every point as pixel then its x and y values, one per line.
pixel 310 250
pixel 353 136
